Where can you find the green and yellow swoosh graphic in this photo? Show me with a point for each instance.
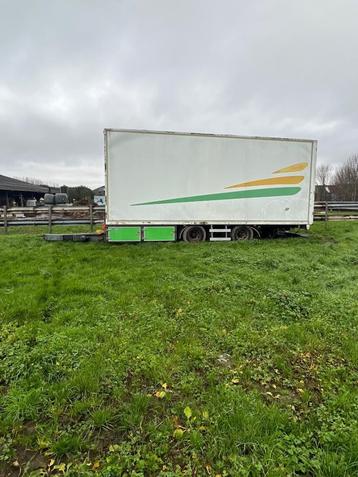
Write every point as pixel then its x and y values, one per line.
pixel 249 193
pixel 299 166
pixel 240 194
pixel 270 181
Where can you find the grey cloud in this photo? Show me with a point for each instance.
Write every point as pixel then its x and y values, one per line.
pixel 69 69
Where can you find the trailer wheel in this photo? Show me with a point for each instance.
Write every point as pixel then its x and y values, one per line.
pixel 194 233
pixel 242 232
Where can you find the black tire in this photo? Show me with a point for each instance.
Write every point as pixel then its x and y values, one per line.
pixel 194 233
pixel 242 232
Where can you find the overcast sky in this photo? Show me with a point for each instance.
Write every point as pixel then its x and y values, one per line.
pixel 69 68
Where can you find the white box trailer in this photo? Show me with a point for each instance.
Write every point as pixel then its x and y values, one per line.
pixel 163 186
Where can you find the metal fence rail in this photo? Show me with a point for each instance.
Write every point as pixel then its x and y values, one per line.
pixel 337 205
pixel 51 215
pixel 331 210
pixel 92 215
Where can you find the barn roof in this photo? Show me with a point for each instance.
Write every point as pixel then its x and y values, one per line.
pixel 8 183
pixel 99 191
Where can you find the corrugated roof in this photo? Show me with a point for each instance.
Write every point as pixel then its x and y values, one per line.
pixel 99 190
pixel 8 183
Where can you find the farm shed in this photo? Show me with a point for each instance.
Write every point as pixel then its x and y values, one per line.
pixel 15 191
pixel 100 191
pixel 99 195
pixel 325 192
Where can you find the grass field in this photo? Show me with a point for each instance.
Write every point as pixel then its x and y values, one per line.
pixel 235 359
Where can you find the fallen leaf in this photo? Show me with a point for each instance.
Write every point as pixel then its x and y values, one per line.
pixel 61 467
pixel 178 433
pixel 188 413
pixel 160 394
pixel 113 448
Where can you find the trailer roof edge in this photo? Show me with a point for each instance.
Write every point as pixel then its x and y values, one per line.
pixel 232 136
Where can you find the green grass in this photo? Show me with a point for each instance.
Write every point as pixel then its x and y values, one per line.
pixel 235 359
pixel 43 229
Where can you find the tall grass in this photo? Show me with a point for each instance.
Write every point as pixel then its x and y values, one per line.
pixel 174 359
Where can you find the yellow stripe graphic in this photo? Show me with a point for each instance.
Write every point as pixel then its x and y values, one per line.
pixel 270 181
pixel 299 166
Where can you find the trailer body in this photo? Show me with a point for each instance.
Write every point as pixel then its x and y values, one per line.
pixel 157 183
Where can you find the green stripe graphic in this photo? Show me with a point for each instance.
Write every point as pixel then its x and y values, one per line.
pixel 240 194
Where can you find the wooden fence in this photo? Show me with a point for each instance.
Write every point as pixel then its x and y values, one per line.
pixel 91 215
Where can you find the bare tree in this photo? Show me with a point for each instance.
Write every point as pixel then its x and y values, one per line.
pixel 346 179
pixel 30 180
pixel 323 174
pixel 35 181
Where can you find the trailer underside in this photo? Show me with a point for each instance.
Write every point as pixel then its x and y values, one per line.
pixel 194 232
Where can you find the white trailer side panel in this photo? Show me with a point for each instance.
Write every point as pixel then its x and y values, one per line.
pixel 174 178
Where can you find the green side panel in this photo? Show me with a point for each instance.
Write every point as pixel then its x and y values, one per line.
pixel 124 234
pixel 159 234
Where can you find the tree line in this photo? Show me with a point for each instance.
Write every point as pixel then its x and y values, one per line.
pixel 80 195
pixel 338 184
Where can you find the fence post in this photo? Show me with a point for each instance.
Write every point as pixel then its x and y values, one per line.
pixel 326 212
pixel 5 218
pixel 91 216
pixel 49 219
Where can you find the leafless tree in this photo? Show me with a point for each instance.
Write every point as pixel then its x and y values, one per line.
pixel 35 181
pixel 323 174
pixel 346 179
pixel 30 180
